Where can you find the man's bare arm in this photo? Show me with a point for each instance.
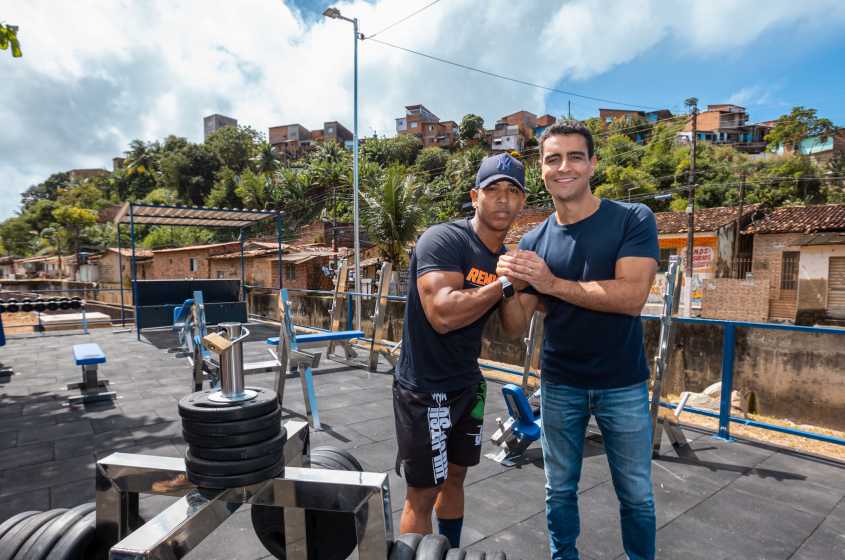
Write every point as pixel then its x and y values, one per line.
pixel 627 293
pixel 448 306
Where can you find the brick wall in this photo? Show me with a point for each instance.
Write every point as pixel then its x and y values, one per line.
pixel 735 300
pixel 309 274
pixel 768 258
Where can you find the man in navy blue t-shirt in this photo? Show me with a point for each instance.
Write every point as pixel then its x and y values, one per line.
pixel 590 266
pixel 438 391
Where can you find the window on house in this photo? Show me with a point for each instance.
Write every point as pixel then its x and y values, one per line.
pixel 608 120
pixel 431 127
pixel 192 264
pixel 330 130
pixel 628 117
pixel 293 134
pixel 221 274
pixel 414 125
pixel 290 273
pixel 664 259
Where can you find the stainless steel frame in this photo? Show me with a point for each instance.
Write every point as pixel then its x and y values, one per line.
pixel 180 528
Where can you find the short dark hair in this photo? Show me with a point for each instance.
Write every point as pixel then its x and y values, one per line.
pixel 569 127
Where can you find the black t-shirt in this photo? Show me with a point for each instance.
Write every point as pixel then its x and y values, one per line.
pixel 434 362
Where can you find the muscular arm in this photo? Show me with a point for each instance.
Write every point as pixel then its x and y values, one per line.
pixel 448 306
pixel 627 293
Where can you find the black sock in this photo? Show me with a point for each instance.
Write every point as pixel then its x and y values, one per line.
pixel 451 529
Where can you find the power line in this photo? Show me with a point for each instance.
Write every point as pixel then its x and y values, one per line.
pixel 511 79
pixel 403 19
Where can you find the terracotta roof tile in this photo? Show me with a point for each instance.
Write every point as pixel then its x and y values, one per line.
pixel 705 219
pixel 804 219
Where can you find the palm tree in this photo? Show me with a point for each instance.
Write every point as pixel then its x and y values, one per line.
pixel 393 212
pixel 141 157
pixel 297 192
pixel 266 162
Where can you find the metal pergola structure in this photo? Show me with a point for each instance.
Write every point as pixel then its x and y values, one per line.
pixel 137 213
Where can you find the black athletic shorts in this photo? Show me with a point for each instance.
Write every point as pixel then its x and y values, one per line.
pixel 434 429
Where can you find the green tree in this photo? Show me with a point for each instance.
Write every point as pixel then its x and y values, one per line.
pixel 84 195
pixel 472 126
pixel 403 150
pixel 55 237
pixel 266 161
pixel 48 190
pixel 9 37
pixel 800 124
pixel 235 145
pixel 74 220
pixel 223 193
pixel 299 195
pixel 191 172
pixel 16 236
pixel 142 157
pixel 393 212
pixel 375 150
pixel 252 190
pixel 40 214
pixel 432 161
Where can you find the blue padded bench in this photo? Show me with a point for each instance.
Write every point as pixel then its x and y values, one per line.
pixel 88 356
pixel 320 337
pixel 526 424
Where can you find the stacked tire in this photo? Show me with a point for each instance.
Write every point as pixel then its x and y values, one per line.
pixel 58 534
pixel 331 533
pixel 412 546
pixel 232 444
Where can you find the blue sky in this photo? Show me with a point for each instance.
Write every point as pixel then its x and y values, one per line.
pixel 96 75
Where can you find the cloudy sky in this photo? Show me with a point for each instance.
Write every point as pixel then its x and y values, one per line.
pixel 97 74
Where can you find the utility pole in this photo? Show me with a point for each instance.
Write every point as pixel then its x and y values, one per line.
pixel 738 225
pixel 693 102
pixel 334 225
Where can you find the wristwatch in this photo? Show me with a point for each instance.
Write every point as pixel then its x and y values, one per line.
pixel 507 288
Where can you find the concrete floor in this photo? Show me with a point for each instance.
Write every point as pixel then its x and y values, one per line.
pixel 744 499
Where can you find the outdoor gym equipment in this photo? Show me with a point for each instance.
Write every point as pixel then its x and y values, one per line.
pixel 89 356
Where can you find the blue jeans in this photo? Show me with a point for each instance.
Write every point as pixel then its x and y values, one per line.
pixel 625 423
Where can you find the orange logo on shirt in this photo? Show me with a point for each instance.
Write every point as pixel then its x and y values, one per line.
pixel 480 278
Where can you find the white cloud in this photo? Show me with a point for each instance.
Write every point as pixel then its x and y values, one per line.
pixel 98 73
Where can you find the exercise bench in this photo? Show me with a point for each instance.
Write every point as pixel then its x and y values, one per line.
pixel 89 356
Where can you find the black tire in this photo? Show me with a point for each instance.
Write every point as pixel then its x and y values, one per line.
pixel 343 456
pixel 332 532
pixel 474 554
pixel 497 555
pixel 456 554
pixel 75 542
pixel 432 547
pixel 405 547
pixel 44 542
pixel 14 520
pixel 16 537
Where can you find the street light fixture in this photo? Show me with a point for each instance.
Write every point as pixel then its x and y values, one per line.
pixel 334 13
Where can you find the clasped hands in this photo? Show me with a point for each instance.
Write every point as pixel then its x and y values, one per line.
pixel 523 268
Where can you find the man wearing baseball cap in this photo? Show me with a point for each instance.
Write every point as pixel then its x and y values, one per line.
pixel 438 390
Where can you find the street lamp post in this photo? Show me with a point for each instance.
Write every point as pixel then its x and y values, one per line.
pixel 334 13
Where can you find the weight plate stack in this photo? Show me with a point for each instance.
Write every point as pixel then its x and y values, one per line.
pixel 331 532
pixel 64 304
pixel 52 304
pixel 12 305
pixel 26 305
pixel 232 444
pixel 39 305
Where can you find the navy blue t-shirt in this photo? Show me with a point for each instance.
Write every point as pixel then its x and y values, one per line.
pixel 434 362
pixel 585 348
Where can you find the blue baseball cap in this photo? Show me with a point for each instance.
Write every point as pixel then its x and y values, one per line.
pixel 498 167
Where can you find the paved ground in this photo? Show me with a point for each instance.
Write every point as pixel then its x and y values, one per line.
pixel 728 500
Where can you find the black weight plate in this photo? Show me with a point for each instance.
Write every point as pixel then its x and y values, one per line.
pixel 12 307
pixel 14 520
pixel 228 468
pixel 15 538
pixel 26 305
pixel 432 547
pixel 405 547
pixel 75 304
pixel 52 306
pixel 76 298
pixel 43 543
pixel 197 407
pixel 40 306
pixel 73 544
pixel 233 427
pixel 349 462
pixel 64 305
pixel 235 481
pixel 456 554
pixel 259 449
pixel 235 440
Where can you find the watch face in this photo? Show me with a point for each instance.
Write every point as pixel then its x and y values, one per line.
pixel 507 288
